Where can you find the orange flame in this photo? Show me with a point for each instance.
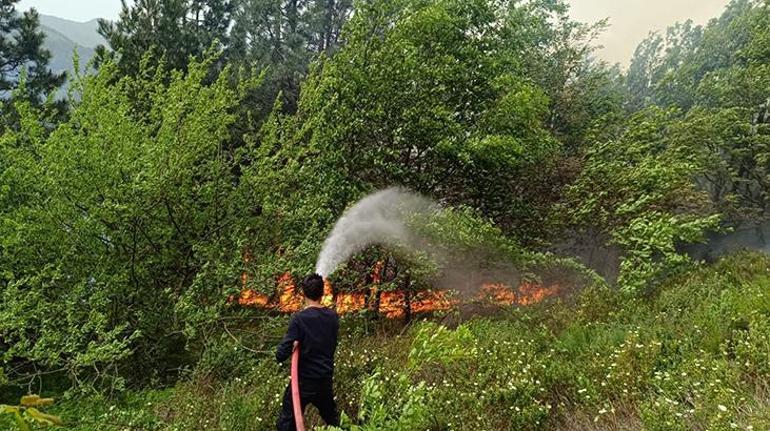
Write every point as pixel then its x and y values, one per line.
pixel 430 300
pixel 289 299
pixel 528 293
pixel 498 293
pixel 531 293
pixel 250 297
pixel 392 304
pixel 350 302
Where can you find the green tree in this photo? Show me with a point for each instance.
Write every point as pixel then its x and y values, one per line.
pixel 718 77
pixel 636 191
pixel 734 151
pixel 284 37
pixel 655 63
pixel 433 96
pixel 174 30
pixel 695 65
pixel 23 58
pixel 117 228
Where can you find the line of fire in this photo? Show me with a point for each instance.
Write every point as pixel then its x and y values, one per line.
pixel 399 303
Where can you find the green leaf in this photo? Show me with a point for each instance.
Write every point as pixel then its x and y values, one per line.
pixel 6 409
pixel 43 418
pixel 21 423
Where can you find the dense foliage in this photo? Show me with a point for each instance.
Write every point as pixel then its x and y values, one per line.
pixel 116 224
pixel 173 31
pixel 215 143
pixel 692 355
pixel 718 78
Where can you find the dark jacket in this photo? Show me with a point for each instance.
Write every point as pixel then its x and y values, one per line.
pixel 316 330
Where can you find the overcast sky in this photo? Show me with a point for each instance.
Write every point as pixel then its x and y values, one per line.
pixel 76 10
pixel 630 20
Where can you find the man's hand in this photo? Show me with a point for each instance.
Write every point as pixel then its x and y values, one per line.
pixel 294 347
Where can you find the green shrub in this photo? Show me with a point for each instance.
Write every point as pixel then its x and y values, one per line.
pixel 435 344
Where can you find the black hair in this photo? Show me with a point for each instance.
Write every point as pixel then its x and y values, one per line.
pixel 313 287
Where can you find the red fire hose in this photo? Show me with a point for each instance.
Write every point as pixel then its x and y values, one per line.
pixel 295 399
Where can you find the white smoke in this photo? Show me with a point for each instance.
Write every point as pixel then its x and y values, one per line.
pixel 380 218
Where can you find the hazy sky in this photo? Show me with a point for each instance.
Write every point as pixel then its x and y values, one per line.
pixel 630 20
pixel 76 10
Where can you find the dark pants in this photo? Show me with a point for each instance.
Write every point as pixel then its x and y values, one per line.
pixel 316 392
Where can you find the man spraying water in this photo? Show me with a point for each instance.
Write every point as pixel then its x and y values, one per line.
pixel 314 331
pixel 378 218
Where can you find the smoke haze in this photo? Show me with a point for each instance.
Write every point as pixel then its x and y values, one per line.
pixel 630 21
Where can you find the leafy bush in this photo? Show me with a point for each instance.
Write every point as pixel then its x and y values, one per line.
pixel 434 344
pixel 637 189
pixel 117 227
pixel 403 408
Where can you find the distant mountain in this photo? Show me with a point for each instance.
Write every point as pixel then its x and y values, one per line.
pixel 84 34
pixel 62 49
pixel 63 37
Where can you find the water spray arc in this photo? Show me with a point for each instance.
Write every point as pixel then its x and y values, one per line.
pixel 380 218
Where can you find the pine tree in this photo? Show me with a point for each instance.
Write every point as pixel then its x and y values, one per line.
pixel 328 18
pixel 22 53
pixel 285 36
pixel 174 30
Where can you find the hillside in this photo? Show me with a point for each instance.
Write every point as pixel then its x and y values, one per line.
pixel 81 33
pixel 63 37
pixel 62 49
pixel 692 355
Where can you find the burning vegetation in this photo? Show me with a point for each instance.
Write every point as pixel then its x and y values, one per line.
pixel 389 303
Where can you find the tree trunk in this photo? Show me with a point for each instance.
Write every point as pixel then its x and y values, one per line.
pixel 408 298
pixel 376 307
pixel 328 26
pixel 292 16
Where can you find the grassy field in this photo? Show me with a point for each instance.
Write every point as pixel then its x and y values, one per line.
pixel 695 354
